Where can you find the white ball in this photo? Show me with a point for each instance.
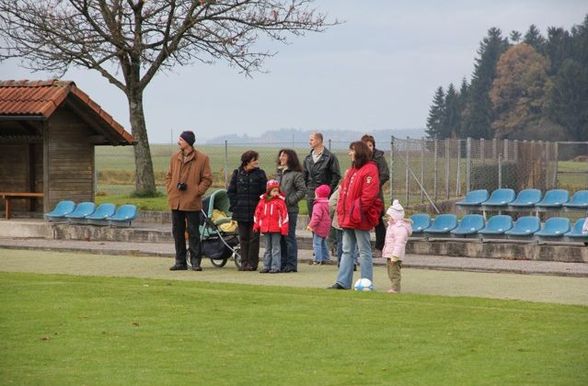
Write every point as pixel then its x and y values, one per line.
pixel 363 284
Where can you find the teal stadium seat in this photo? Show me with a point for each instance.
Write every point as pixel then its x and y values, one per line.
pixel 526 198
pixel 524 227
pixel 442 224
pixel 579 200
pixel 576 234
pixel 497 225
pixel 474 198
pixel 101 215
pixel 554 227
pixel 124 215
pixel 82 210
pixel 470 224
pixel 553 199
pixel 61 209
pixel 500 198
pixel 420 222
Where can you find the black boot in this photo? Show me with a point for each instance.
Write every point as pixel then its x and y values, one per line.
pixel 195 261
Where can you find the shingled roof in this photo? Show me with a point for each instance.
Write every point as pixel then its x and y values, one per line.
pixel 27 99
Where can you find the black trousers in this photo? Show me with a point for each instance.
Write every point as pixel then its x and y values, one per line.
pixel 249 243
pixel 179 220
pixel 380 233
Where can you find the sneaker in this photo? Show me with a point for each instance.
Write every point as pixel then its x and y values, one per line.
pixel 316 263
pixel 336 286
pixel 178 267
pixel 274 271
pixel 392 291
pixel 265 270
pixel 290 270
pixel 198 268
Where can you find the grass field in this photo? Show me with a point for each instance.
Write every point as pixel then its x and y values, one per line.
pixel 65 330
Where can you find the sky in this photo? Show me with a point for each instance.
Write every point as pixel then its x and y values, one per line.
pixel 377 70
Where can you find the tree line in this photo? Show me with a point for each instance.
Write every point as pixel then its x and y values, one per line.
pixel 523 87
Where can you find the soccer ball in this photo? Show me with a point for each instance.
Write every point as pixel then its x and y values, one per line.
pixel 363 284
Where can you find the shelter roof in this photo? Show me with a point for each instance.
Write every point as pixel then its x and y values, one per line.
pixel 29 99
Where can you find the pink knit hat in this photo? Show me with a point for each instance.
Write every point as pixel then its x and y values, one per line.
pixel 322 191
pixel 272 184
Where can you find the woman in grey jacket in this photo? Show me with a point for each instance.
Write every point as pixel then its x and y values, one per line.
pixel 291 179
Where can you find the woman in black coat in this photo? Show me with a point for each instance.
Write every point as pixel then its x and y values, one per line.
pixel 247 184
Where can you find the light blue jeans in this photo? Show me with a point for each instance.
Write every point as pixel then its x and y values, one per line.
pixel 353 238
pixel 272 257
pixel 321 250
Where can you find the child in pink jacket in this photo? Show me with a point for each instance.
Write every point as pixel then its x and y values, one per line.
pixel 399 229
pixel 320 224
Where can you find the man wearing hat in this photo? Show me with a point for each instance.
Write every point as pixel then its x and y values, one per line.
pixel 187 179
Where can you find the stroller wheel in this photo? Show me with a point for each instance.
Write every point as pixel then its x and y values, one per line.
pixel 237 256
pixel 219 262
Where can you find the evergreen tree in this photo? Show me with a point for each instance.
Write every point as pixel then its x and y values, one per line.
pixel 534 39
pixel 515 36
pixel 477 117
pixel 558 48
pixel 436 116
pixel 451 123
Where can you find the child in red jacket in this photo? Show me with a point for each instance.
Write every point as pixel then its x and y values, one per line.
pixel 320 224
pixel 271 219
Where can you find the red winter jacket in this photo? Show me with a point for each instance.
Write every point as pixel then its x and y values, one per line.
pixel 359 206
pixel 271 215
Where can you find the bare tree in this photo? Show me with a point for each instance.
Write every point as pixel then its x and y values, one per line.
pixel 129 41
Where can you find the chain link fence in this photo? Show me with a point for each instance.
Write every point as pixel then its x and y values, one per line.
pixel 432 174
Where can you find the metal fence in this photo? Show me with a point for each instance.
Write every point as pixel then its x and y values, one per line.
pixel 432 173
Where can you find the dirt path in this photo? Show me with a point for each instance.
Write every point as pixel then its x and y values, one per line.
pixel 550 289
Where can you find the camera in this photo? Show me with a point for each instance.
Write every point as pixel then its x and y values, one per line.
pixel 182 186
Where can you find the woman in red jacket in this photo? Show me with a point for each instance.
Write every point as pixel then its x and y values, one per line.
pixel 358 211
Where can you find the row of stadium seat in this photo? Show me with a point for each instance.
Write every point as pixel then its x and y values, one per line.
pixel 499 226
pixel 526 199
pixel 88 213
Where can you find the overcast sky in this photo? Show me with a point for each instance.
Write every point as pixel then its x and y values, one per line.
pixel 377 70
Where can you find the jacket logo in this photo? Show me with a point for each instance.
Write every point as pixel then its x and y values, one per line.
pixel 368 180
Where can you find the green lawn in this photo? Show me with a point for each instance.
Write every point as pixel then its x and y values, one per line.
pixel 65 330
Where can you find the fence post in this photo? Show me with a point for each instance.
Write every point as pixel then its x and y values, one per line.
pixel 447 167
pixel 468 164
pixel 436 147
pixel 499 170
pixel 407 179
pixel 391 168
pixel 556 157
pixel 494 149
pixel 505 149
pixel 483 150
pixel 458 175
pixel 423 144
pixel 226 162
pixel 516 151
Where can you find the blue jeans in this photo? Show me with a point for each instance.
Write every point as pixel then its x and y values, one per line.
pixel 353 238
pixel 355 254
pixel 290 245
pixel 272 256
pixel 319 245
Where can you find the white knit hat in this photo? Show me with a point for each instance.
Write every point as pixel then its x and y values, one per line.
pixel 396 211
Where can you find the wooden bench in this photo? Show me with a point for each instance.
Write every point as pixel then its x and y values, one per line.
pixel 8 196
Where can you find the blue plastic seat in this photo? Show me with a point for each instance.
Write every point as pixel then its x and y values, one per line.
pixel 576 232
pixel 442 224
pixel 470 224
pixel 420 222
pixel 526 198
pixel 82 210
pixel 61 209
pixel 554 199
pixel 100 216
pixel 474 198
pixel 525 226
pixel 579 200
pixel 554 227
pixel 124 215
pixel 497 225
pixel 500 198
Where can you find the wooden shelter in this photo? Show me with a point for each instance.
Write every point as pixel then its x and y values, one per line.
pixel 48 130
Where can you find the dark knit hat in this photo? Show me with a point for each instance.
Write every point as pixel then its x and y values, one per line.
pixel 189 137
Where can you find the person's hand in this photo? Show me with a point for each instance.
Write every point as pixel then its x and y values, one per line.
pixel 308 228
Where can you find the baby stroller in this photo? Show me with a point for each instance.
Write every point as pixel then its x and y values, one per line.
pixel 218 233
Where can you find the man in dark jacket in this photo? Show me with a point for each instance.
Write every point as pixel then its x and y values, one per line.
pixel 186 181
pixel 320 167
pixel 384 175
